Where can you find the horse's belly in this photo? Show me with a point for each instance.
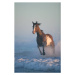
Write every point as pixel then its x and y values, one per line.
pixel 48 40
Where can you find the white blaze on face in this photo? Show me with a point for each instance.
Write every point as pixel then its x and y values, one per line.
pixel 48 40
pixel 34 30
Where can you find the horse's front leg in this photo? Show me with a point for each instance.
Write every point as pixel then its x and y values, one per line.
pixel 43 50
pixel 40 50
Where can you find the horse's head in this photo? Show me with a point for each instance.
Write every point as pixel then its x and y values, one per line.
pixel 35 27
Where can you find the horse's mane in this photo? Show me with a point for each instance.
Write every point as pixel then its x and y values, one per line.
pixel 41 30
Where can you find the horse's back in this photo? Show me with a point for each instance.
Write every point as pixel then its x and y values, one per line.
pixel 49 35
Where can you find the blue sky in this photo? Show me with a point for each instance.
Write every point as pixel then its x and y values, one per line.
pixel 48 14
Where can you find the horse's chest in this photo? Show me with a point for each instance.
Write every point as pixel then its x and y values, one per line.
pixel 39 41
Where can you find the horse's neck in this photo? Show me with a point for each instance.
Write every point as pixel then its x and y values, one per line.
pixel 40 33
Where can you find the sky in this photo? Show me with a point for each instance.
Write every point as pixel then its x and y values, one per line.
pixel 48 14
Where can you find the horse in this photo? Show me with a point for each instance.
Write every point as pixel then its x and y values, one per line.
pixel 43 40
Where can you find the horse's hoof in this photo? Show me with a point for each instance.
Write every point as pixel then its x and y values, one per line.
pixel 44 53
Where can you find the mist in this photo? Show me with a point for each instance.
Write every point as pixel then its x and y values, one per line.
pixel 33 51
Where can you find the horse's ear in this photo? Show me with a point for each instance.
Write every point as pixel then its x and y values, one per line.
pixel 39 23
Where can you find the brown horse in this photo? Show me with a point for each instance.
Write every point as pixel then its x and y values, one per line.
pixel 42 38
